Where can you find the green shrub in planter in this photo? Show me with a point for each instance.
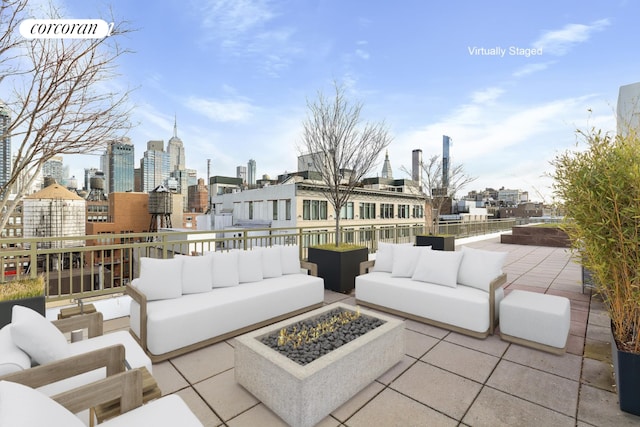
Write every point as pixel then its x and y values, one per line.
pixel 600 187
pixel 28 292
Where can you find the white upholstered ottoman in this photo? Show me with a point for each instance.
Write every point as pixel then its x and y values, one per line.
pixel 536 320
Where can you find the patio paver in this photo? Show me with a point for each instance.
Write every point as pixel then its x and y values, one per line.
pixel 446 378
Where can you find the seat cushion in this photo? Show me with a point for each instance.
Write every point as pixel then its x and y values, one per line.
pixel 542 318
pixel 168 411
pixel 174 324
pixel 134 355
pixel 12 358
pixel 23 406
pixel 463 306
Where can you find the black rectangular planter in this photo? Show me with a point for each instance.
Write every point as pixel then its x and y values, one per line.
pixel 439 243
pixel 34 303
pixel 338 269
pixel 627 369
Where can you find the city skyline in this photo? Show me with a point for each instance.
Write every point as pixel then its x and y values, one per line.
pixel 508 85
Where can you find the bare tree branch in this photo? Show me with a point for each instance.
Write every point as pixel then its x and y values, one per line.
pixel 342 149
pixel 61 95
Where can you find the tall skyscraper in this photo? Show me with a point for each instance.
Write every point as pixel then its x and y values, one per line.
pixel 53 168
pixel 5 144
pixel 628 108
pixel 446 142
pixel 416 166
pixel 154 166
pixel 387 172
pixel 251 172
pixel 175 148
pixel 241 172
pixel 117 165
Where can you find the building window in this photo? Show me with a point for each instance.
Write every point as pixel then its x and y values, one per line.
pixel 288 209
pixel 386 210
pixel 346 212
pixel 418 211
pixel 274 204
pixel 314 209
pixel 367 210
pixel 403 211
pixel 250 210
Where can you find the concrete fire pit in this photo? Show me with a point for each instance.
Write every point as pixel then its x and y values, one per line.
pixel 304 395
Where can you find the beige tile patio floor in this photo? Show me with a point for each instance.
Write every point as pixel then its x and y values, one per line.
pixel 445 378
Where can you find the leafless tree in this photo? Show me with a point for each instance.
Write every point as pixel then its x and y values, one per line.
pixel 60 94
pixel 433 188
pixel 342 148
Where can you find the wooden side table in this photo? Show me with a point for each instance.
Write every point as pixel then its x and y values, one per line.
pixel 150 391
pixel 76 311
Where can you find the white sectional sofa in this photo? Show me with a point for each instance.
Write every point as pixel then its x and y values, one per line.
pixel 459 290
pixel 185 303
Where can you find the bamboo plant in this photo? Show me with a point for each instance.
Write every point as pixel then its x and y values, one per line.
pixel 600 186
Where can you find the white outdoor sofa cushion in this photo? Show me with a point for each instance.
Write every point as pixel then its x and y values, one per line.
pixel 470 309
pixel 168 327
pixel 176 323
pixel 464 307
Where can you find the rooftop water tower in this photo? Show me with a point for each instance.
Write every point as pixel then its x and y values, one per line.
pixel 160 207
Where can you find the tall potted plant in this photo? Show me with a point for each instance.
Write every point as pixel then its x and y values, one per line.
pixel 342 151
pixel 28 292
pixel 600 186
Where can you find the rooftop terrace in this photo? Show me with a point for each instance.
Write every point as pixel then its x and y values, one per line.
pixel 445 378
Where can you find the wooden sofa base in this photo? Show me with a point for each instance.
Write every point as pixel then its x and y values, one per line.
pixel 421 319
pixel 155 358
pixel 532 344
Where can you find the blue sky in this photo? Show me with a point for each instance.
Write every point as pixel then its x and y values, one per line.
pixel 237 74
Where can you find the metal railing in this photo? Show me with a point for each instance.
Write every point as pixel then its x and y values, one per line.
pixel 105 263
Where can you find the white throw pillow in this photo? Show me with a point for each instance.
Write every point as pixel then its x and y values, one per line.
pixel 12 359
pixel 384 256
pixel 479 267
pixel 438 267
pixel 271 262
pixel 37 337
pixel 249 266
pixel 160 278
pixel 290 259
pixel 405 259
pixel 225 269
pixel 23 406
pixel 197 274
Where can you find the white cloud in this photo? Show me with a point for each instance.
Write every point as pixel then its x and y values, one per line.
pixel 531 68
pixel 504 143
pixel 221 111
pixel 244 28
pixel 559 42
pixel 486 96
pixel 229 18
pixel 362 54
